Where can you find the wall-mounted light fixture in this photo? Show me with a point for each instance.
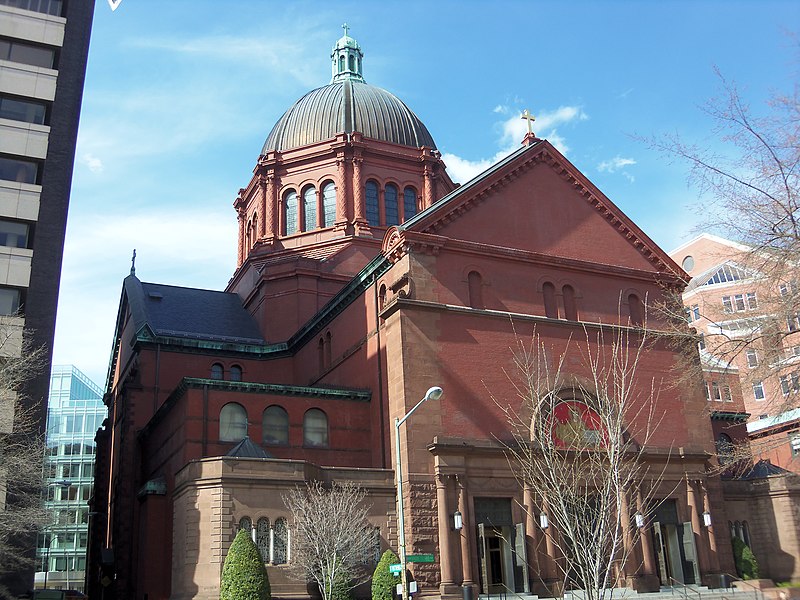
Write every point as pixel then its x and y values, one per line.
pixel 639 520
pixel 707 519
pixel 544 523
pixel 458 522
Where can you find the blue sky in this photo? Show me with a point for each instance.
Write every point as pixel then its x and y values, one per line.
pixel 181 95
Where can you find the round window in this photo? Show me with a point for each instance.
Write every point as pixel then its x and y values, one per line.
pixel 688 263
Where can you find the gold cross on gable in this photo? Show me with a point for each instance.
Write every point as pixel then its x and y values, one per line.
pixel 346 27
pixel 529 118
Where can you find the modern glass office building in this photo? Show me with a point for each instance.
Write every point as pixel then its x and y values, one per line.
pixel 75 412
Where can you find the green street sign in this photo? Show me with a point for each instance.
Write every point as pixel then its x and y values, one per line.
pixel 420 558
pixel 395 569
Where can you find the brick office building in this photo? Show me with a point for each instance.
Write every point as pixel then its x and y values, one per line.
pixel 365 277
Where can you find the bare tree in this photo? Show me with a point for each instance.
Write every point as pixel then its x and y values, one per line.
pixel 332 539
pixel 748 176
pixel 577 448
pixel 21 451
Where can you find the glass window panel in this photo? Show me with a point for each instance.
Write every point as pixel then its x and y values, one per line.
pixel 27 111
pixel 27 54
pixel 392 210
pixel 275 426
pixel 236 373
pixel 21 171
pixel 262 538
pixel 48 7
pixel 232 423
pixel 409 203
pixel 373 216
pixel 14 234
pixel 290 212
pixel 310 208
pixel 315 428
pixel 281 542
pixel 10 300
pixel 216 371
pixel 329 204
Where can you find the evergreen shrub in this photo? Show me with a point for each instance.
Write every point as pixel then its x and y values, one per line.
pixel 244 576
pixel 383 582
pixel 746 563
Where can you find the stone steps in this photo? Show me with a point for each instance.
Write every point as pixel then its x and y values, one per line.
pixel 692 592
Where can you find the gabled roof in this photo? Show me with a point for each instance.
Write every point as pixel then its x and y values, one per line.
pixel 173 311
pixel 512 166
pixel 763 469
pixel 713 238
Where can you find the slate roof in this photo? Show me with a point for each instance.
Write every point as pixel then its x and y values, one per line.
pixel 174 311
pixel 247 449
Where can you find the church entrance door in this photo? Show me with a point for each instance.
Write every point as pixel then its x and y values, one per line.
pixel 501 548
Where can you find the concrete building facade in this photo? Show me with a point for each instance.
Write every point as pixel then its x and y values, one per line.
pixel 43 52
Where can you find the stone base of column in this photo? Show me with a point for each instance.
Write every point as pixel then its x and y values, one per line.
pixel 362 228
pixel 267 240
pixel 451 591
pixel 644 583
pixel 553 588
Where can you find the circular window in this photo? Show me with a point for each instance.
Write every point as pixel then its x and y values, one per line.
pixel 688 263
pixel 575 425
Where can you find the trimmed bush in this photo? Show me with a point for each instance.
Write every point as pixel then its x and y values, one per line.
pixel 746 563
pixel 383 582
pixel 244 576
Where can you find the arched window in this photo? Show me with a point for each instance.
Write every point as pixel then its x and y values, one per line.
pixel 635 309
pixel 746 533
pixel 352 63
pixel 329 204
pixel 550 306
pixel 724 446
pixel 246 523
pixel 262 538
pixel 391 208
pixel 280 551
pixel 371 193
pixel 309 208
pixel 290 212
pixel 328 351
pixel 216 371
pixel 382 297
pixel 315 429
pixel 475 284
pixel 409 203
pixel 254 231
pixel 341 63
pixel 570 308
pixel 236 373
pixel 275 426
pixel 321 354
pixel 232 422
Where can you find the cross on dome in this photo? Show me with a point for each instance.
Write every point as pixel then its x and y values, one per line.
pixel 346 58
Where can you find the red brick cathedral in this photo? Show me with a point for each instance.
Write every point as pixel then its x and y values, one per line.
pixel 365 276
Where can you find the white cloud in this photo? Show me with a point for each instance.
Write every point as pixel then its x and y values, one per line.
pixel 615 164
pixel 94 164
pixel 500 108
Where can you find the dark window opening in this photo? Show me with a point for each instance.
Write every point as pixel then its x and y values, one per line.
pixel 27 111
pixel 21 171
pixel 27 54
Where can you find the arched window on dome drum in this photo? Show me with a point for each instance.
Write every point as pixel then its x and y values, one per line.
pixel 275 426
pixel 475 284
pixel 232 423
pixel 262 538
pixel 570 307
pixel 550 306
pixel 329 203
pixel 280 551
pixel 315 429
pixel 390 201
pixel 352 63
pixel 409 203
pixel 373 215
pixel 290 212
pixel 309 208
pixel 341 63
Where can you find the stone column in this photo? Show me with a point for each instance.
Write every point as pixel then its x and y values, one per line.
pixel 262 206
pixel 697 528
pixel 629 551
pixel 429 188
pixel 549 567
pixel 270 207
pixel 466 533
pixel 712 540
pixel 445 550
pixel 342 218
pixel 648 561
pixel 531 537
pixel 240 254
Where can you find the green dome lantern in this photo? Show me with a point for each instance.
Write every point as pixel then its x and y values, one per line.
pixel 346 59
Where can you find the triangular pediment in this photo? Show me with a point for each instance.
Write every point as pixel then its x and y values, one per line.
pixel 536 201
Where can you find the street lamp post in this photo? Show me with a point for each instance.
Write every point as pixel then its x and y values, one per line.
pixel 433 393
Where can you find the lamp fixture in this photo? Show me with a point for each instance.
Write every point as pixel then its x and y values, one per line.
pixel 544 523
pixel 639 520
pixel 458 522
pixel 707 519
